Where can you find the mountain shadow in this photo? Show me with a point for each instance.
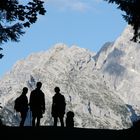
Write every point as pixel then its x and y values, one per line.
pixel 134 117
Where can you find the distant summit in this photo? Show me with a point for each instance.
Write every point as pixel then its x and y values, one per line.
pixel 119 63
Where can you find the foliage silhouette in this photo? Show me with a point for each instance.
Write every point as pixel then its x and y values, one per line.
pixel 132 14
pixel 14 17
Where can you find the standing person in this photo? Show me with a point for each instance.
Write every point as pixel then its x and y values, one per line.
pixel 37 104
pixel 1 124
pixel 21 105
pixel 58 107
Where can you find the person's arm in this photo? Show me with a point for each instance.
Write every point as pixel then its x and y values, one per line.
pixel 30 100
pixel 43 103
pixel 64 100
pixel 64 104
pixel 53 105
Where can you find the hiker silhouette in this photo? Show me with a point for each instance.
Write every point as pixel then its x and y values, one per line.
pixel 58 107
pixel 21 105
pixel 70 119
pixel 37 104
pixel 1 124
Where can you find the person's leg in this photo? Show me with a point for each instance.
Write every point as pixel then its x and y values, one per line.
pixel 38 121
pixel 55 121
pixel 61 121
pixel 33 119
pixel 23 117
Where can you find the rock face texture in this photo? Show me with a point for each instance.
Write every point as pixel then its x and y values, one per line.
pixel 119 63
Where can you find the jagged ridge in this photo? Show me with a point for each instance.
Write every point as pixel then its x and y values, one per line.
pixel 73 70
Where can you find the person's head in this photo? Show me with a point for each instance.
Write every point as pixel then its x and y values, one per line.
pixel 57 89
pixel 70 114
pixel 25 90
pixel 39 85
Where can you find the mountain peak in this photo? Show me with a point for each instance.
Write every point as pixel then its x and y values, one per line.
pixel 87 95
pixel 59 46
pixel 120 67
pixel 102 92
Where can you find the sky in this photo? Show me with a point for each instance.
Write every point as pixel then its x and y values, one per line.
pixel 85 23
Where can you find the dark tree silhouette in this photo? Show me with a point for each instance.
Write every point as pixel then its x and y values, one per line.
pixel 1 55
pixel 132 14
pixel 14 17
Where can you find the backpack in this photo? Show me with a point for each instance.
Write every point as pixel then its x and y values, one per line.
pixel 18 104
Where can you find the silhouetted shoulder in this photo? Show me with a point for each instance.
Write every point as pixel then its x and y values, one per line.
pixel 32 92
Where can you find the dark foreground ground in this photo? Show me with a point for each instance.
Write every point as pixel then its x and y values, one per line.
pixel 51 133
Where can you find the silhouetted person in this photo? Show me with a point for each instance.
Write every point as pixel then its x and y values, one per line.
pixel 37 104
pixel 0 106
pixel 21 105
pixel 1 124
pixel 58 107
pixel 70 119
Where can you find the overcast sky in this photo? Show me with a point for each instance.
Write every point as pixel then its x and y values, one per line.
pixel 86 24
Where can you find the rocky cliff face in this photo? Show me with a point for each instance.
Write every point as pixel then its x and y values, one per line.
pixel 119 62
pixel 74 70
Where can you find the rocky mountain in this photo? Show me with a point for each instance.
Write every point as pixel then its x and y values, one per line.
pixel 74 70
pixel 119 63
